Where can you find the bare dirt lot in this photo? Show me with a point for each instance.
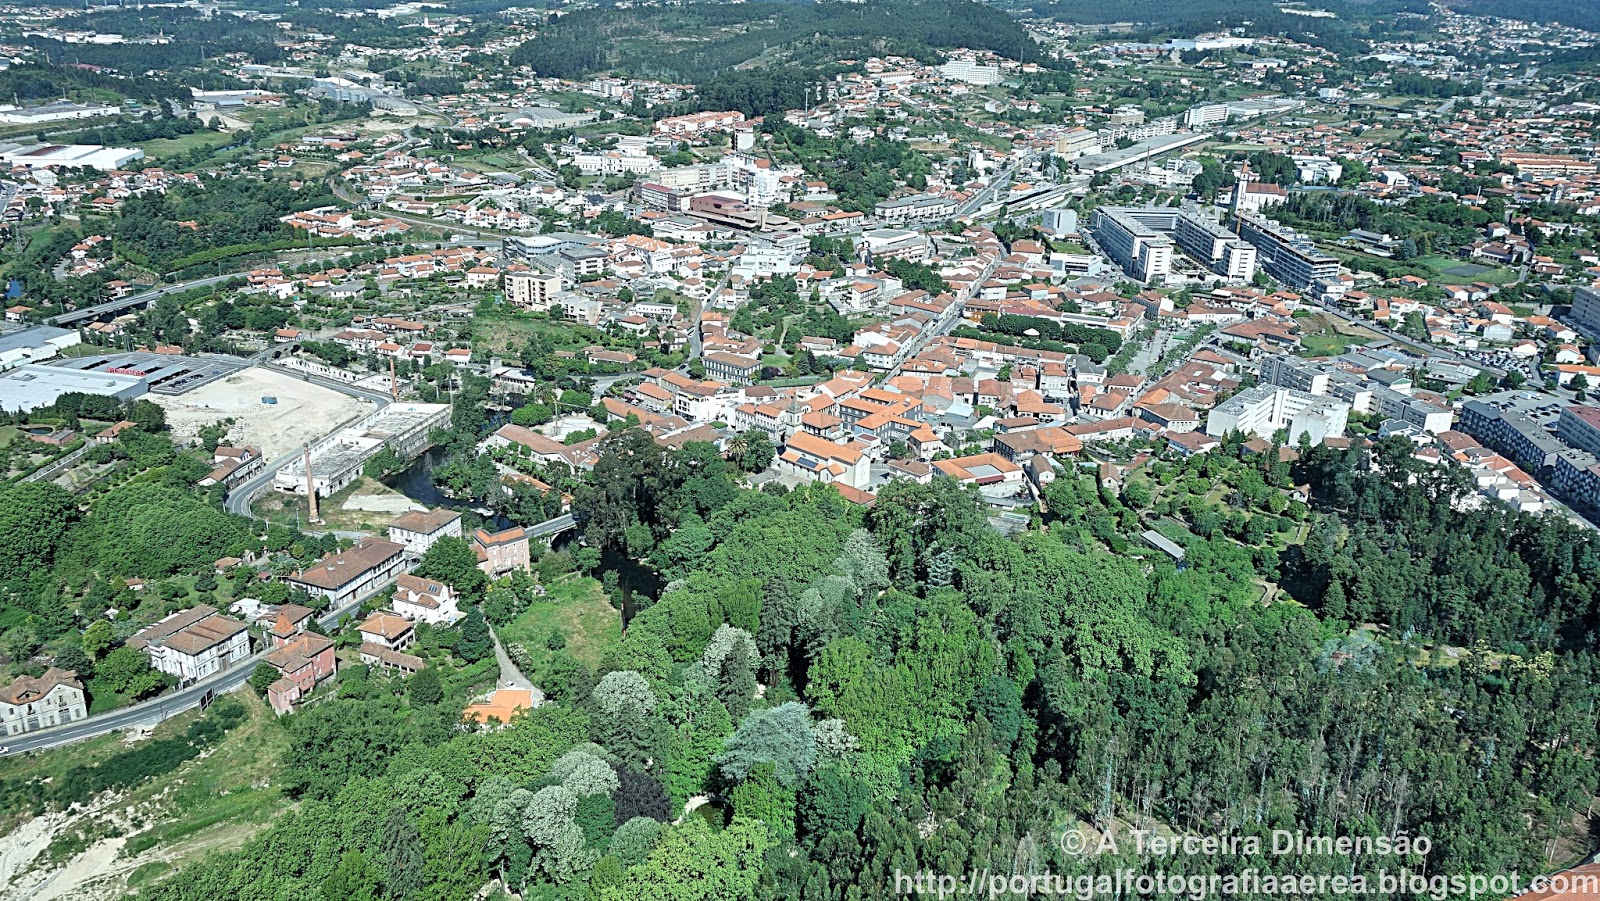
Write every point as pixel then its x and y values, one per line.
pixel 304 412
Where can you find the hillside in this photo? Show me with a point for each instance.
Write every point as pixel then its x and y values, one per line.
pixel 694 42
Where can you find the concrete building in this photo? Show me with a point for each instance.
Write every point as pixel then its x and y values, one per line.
pixel 55 112
pixel 1586 311
pixel 337 459
pixel 35 345
pixel 1078 142
pixel 1198 235
pixel 532 290
pixel 1144 253
pixel 1286 256
pixel 31 386
pixel 970 72
pixel 1364 395
pixel 60 156
pixel 31 703
pixel 1063 221
pixel 1205 115
pixel 917 208
pixel 1264 410
pixel 1579 426
pixel 194 644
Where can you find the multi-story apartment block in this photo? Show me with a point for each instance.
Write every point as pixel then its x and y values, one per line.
pixel 1263 410
pixel 1286 256
pixel 1197 234
pixel 1144 253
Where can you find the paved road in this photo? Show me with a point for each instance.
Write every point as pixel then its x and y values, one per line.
pixel 510 676
pixel 240 498
pixel 552 526
pixel 146 297
pixel 173 702
pixel 1003 178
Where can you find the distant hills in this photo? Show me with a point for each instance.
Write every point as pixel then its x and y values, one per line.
pixel 1266 13
pixel 695 41
pixel 1583 14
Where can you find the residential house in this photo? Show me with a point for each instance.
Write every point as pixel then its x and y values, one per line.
pixel 302 663
pixel 424 600
pixel 31 703
pixel 193 644
pixel 384 637
pixel 418 530
pixel 343 576
pixel 502 552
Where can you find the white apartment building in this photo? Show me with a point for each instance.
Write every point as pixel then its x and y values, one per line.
pixel 531 289
pixel 971 72
pixel 194 644
pixel 1263 410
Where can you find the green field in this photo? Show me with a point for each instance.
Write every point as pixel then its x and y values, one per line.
pixel 1330 344
pixel 577 607
pixel 1459 270
pixel 165 147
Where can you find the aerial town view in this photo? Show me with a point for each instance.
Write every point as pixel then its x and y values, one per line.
pixel 811 450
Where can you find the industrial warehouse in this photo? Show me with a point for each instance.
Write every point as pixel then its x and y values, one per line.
pixel 336 461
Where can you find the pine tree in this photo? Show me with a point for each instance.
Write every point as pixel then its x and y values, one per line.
pixel 403 856
pixel 736 683
pixel 476 643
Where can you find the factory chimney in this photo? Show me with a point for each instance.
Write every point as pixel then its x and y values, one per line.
pixel 311 485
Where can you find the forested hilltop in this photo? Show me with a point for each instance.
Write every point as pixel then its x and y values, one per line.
pixel 695 41
pixel 863 692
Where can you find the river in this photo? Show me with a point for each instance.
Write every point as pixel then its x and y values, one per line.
pixel 416 482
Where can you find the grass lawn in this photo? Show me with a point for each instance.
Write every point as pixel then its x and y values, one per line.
pixel 8 432
pixel 1330 344
pixel 163 147
pixel 1445 267
pixel 576 606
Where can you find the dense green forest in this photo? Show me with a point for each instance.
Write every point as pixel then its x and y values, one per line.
pixel 48 82
pixel 866 692
pixel 169 231
pixel 696 41
pixel 1583 14
pixel 63 558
